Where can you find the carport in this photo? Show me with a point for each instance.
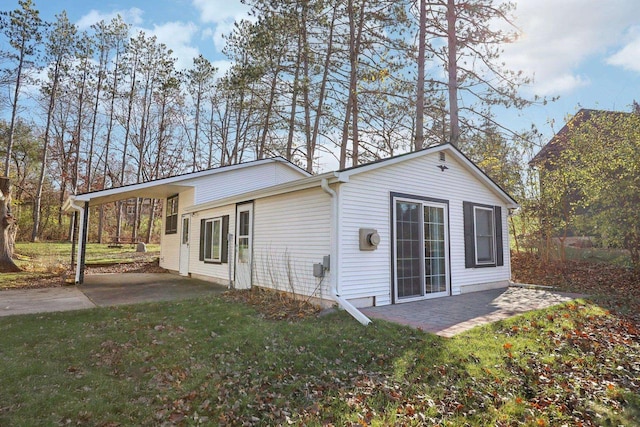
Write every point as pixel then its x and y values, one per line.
pixel 80 204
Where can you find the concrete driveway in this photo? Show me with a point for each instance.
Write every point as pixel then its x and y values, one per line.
pixel 29 301
pixel 101 290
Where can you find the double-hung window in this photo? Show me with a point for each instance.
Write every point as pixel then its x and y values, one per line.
pixel 171 215
pixel 213 240
pixel 482 235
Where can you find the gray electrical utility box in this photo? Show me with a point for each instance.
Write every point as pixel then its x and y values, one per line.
pixel 318 270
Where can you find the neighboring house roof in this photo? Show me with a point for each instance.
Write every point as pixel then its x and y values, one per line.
pixel 344 175
pixel 165 187
pixel 557 142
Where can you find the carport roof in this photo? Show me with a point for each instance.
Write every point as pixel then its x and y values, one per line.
pixel 164 187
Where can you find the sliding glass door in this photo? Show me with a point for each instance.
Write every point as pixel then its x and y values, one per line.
pixel 421 249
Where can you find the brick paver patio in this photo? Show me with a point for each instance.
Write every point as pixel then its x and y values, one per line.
pixel 452 315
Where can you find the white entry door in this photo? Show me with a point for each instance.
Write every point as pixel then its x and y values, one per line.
pixel 184 245
pixel 244 241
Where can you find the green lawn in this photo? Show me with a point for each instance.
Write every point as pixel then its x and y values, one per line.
pixel 216 362
pixel 43 253
pixel 619 257
pixel 48 261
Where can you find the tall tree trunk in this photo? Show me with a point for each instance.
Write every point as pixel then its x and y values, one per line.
pixel 45 151
pixel 345 135
pixel 267 118
pixel 355 57
pixel 78 132
pixel 210 131
pixel 7 222
pixel 124 148
pixel 325 78
pixel 197 128
pixel 351 110
pixel 14 110
pixel 105 170
pixel 422 35
pixel 305 92
pixel 152 212
pixel 452 68
pixel 94 120
pixel 294 102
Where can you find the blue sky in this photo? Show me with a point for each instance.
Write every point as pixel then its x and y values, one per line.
pixel 587 52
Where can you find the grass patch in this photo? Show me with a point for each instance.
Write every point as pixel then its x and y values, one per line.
pixel 47 263
pixel 618 257
pixel 217 362
pixel 43 253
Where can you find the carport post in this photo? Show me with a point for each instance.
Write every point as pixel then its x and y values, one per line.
pixel 82 243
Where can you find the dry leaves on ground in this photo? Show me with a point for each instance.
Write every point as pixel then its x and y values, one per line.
pixel 614 287
pixel 273 305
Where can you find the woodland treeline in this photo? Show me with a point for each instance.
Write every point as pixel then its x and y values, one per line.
pixel 358 80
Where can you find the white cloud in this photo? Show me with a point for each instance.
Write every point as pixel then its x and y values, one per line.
pixel 629 56
pixel 131 16
pixel 223 14
pixel 563 83
pixel 559 36
pixel 219 11
pixel 222 65
pixel 178 37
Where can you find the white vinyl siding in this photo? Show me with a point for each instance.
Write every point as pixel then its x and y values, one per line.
pixel 214 187
pixel 240 181
pixel 216 272
pixel 170 243
pixel 365 202
pixel 291 233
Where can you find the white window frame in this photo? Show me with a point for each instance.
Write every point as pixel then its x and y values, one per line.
pixel 493 259
pixel 208 242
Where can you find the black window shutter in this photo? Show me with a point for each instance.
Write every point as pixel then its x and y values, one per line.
pixel 497 213
pixel 469 233
pixel 202 239
pixel 224 251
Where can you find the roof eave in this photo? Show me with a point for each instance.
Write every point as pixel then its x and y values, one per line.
pixel 275 190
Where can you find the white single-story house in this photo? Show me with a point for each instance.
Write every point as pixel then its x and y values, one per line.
pixel 419 225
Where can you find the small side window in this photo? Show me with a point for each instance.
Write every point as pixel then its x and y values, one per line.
pixel 171 215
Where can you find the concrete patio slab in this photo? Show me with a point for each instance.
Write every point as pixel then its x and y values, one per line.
pixel 132 288
pixel 106 290
pixel 452 315
pixel 29 301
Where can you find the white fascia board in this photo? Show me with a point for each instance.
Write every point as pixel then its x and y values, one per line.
pixel 151 189
pixel 287 187
pixel 470 166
